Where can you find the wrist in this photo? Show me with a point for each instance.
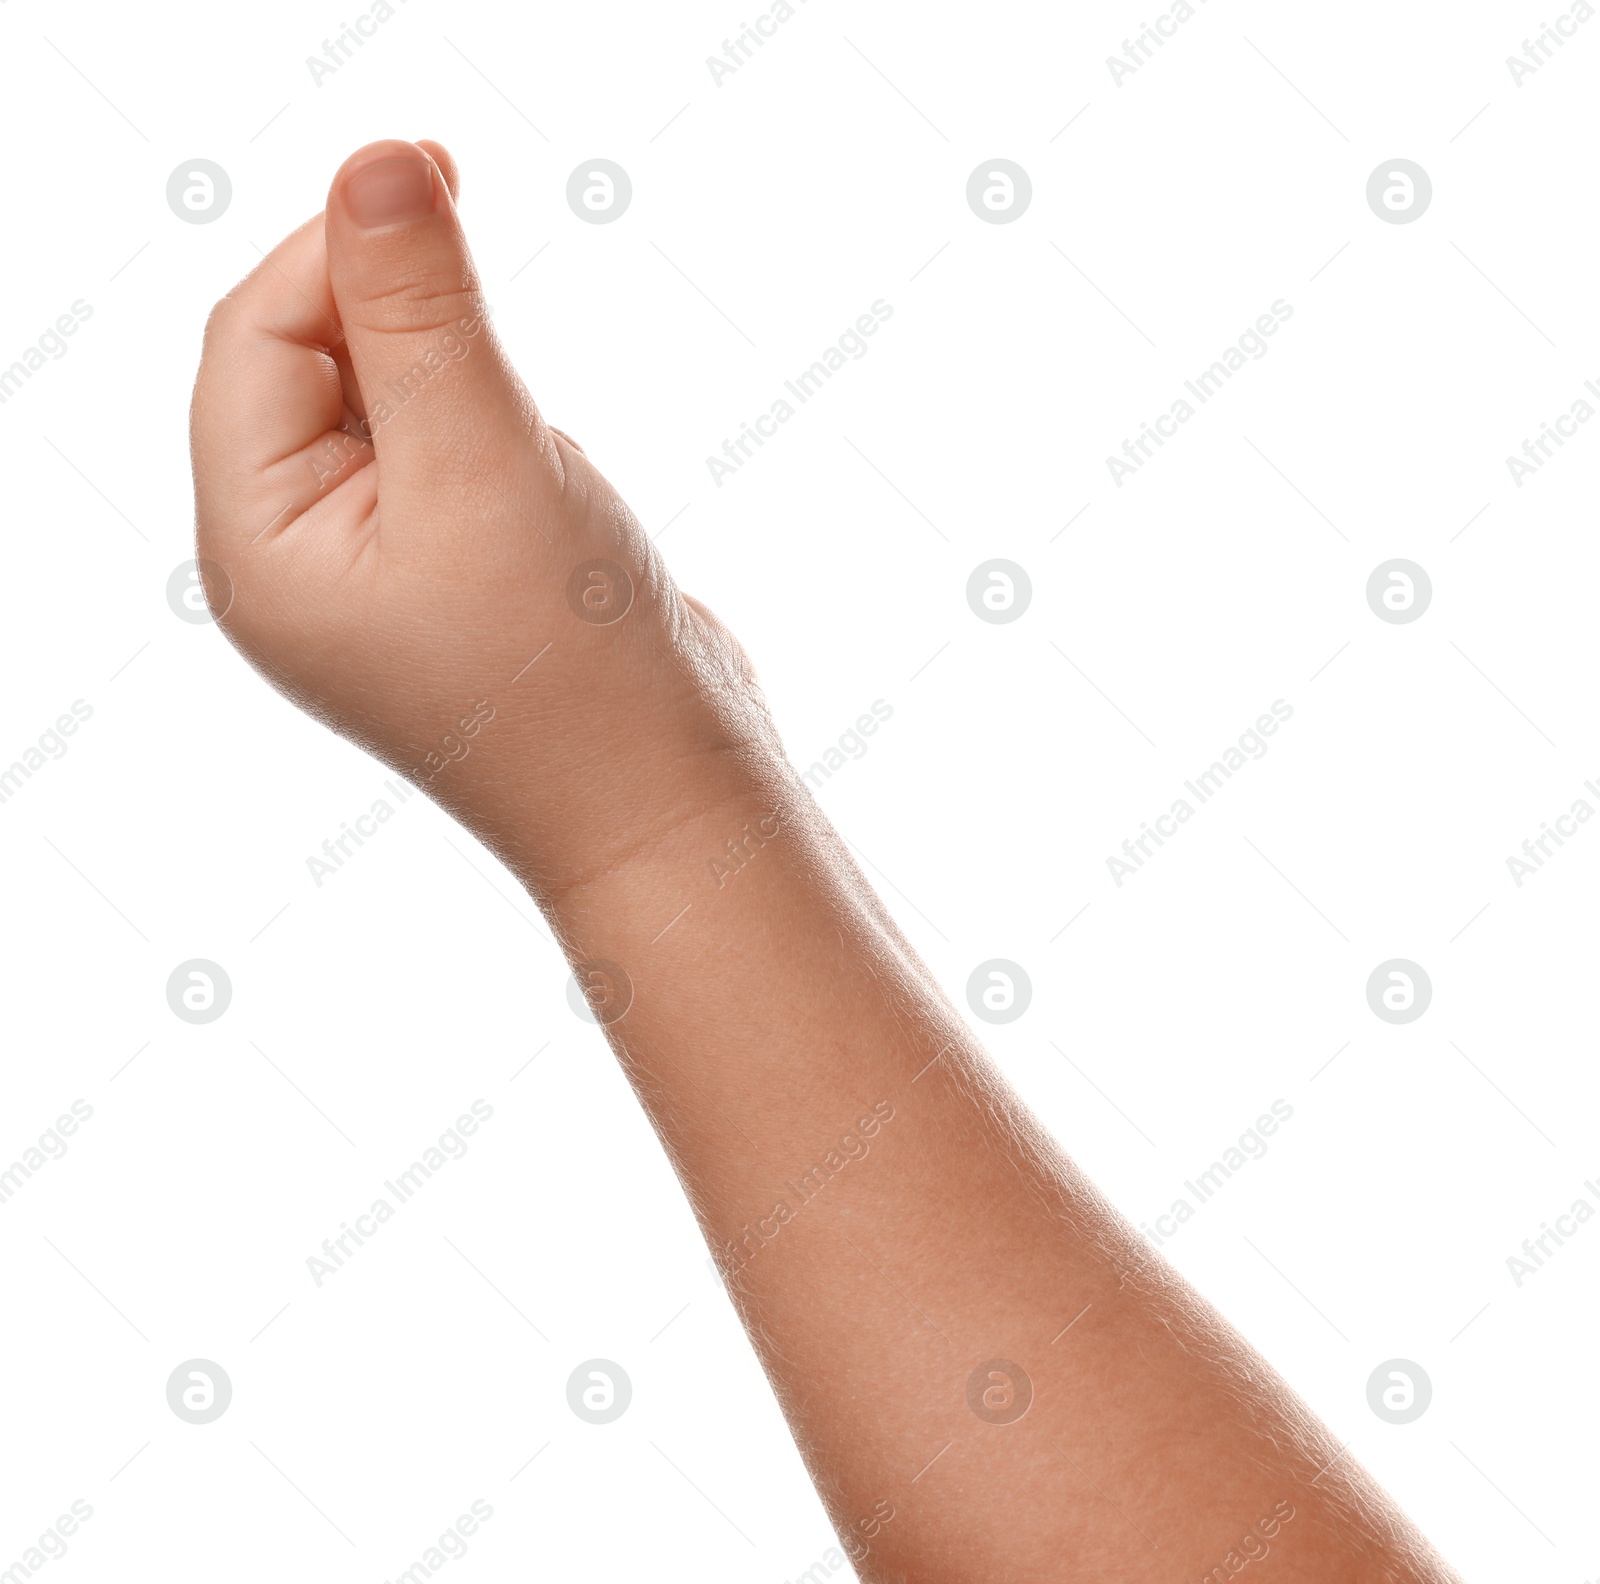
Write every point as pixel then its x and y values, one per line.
pixel 699 836
pixel 611 756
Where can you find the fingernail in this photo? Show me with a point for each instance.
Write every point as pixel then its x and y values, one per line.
pixel 390 190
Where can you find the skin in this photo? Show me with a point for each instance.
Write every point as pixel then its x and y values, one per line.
pixel 407 557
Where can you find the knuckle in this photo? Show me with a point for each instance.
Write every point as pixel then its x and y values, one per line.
pixel 419 305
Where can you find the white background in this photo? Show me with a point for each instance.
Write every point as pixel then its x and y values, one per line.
pixel 768 213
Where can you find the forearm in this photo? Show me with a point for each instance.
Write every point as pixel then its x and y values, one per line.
pixel 775 1019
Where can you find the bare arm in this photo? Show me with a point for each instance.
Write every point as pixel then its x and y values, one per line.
pixel 961 1330
pixel 989 1375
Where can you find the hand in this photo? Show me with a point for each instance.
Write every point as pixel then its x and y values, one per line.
pixel 393 535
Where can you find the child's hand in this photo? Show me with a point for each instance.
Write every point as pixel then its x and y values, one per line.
pixel 429 594
pixel 393 535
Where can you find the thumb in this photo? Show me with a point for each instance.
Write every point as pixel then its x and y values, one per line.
pixel 441 398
